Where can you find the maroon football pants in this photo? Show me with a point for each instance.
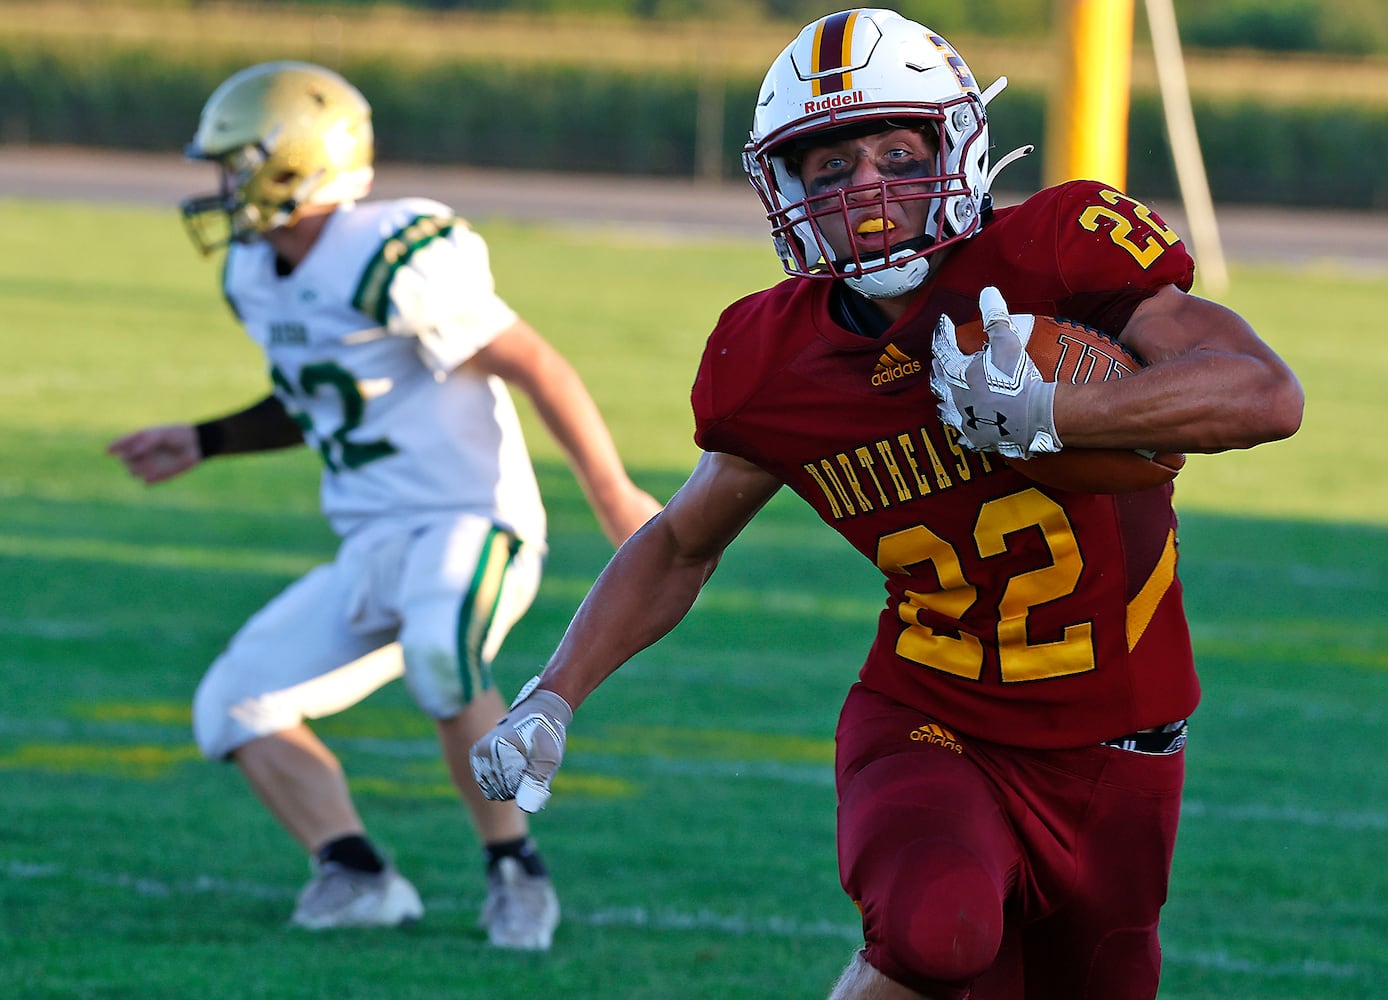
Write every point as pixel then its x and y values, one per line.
pixel 992 873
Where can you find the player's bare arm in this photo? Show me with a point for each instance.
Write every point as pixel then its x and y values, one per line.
pixel 527 361
pixel 647 588
pixel 652 582
pixel 1212 384
pixel 156 454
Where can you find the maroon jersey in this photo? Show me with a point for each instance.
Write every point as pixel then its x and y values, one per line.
pixel 1016 613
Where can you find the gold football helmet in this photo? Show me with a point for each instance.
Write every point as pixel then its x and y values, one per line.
pixel 284 135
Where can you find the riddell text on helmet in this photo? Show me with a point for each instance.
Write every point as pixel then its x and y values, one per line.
pixel 833 101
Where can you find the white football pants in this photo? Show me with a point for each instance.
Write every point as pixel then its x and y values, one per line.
pixel 429 598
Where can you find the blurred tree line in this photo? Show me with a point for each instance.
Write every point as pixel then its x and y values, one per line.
pixel 1348 27
pixel 617 93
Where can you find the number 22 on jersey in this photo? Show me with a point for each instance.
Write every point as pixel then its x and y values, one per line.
pixel 1119 219
pixel 961 654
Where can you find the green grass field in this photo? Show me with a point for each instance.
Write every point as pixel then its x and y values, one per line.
pixel 691 831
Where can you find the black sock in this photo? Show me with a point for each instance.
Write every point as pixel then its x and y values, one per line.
pixel 353 851
pixel 522 849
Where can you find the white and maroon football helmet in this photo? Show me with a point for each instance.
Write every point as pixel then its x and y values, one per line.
pixel 854 72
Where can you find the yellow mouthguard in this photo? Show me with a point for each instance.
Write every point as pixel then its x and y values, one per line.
pixel 875 225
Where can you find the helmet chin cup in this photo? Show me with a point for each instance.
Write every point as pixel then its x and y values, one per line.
pixel 889 282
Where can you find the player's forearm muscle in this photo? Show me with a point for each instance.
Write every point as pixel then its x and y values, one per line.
pixel 646 591
pixel 527 361
pixel 572 419
pixel 653 581
pixel 1212 385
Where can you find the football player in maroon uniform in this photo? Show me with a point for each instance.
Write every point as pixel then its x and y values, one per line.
pixel 1009 763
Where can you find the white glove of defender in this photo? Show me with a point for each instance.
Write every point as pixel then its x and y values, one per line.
pixel 518 758
pixel 995 398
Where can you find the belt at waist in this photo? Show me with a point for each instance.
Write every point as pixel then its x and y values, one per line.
pixel 1162 740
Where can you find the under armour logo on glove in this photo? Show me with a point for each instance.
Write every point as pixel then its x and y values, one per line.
pixel 999 420
pixel 1001 380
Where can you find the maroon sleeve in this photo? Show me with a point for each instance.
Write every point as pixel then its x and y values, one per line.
pixel 754 337
pixel 701 396
pixel 1113 253
pixel 714 383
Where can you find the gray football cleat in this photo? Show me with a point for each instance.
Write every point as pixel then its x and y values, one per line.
pixel 344 897
pixel 521 910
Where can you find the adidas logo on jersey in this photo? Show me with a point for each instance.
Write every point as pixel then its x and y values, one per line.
pixel 936 736
pixel 894 364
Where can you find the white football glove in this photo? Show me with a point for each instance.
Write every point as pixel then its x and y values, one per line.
pixel 995 398
pixel 518 758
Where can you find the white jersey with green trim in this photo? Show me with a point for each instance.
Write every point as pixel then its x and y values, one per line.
pixel 366 341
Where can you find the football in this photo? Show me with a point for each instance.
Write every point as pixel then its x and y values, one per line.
pixel 1065 350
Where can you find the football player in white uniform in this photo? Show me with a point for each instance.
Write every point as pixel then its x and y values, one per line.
pixel 390 354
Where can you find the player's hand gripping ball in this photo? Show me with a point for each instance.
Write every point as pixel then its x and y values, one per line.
pixel 1057 350
pixel 993 394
